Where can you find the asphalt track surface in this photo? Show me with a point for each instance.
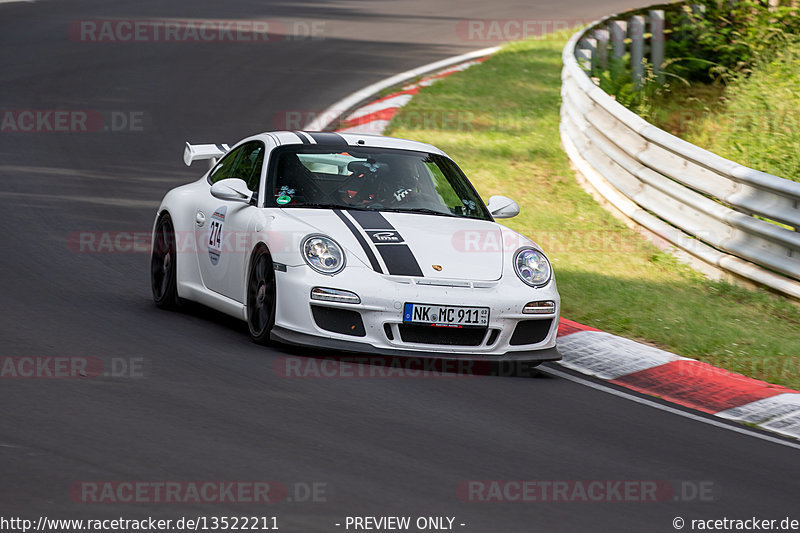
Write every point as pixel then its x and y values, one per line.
pixel 209 405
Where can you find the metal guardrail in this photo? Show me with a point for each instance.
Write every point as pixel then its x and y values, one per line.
pixel 701 203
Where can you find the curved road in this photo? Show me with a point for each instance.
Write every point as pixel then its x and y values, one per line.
pixel 206 403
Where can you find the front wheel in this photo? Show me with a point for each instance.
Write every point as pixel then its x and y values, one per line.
pixel 261 296
pixel 163 274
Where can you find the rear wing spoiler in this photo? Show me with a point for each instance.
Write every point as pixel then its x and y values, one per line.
pixel 212 152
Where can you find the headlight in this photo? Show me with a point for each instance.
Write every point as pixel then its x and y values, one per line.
pixel 323 254
pixel 532 267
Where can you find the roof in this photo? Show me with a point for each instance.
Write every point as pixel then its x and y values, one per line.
pixel 350 139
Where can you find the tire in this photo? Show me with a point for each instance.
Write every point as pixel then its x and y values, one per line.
pixel 261 296
pixel 163 272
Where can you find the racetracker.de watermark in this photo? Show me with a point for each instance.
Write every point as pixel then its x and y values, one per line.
pixel 463 241
pixel 194 30
pixel 186 242
pixel 558 241
pixel 751 523
pixel 395 367
pixel 49 367
pixel 376 366
pixel 501 30
pixel 779 119
pixel 375 122
pixel 197 492
pixel 374 117
pixel 72 121
pixel 587 491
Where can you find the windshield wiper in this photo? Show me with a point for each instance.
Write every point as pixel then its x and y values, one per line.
pixel 419 210
pixel 423 210
pixel 329 206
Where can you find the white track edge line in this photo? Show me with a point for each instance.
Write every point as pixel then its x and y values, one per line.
pixel 604 388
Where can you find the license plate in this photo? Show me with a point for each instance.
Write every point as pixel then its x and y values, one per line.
pixel 445 315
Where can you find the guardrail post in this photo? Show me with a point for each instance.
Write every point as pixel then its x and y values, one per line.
pixel 618 30
pixel 591 45
pixel 602 37
pixel 585 54
pixel 657 42
pixel 636 34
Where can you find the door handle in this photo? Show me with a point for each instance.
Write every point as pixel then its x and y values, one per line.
pixel 200 219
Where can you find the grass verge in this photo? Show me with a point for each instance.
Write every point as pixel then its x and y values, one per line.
pixel 499 121
pixel 753 120
pixel 759 123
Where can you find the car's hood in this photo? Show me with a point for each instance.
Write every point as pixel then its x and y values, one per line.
pixel 442 247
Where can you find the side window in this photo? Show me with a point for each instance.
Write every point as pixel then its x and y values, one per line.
pixel 244 163
pixel 223 168
pixel 248 164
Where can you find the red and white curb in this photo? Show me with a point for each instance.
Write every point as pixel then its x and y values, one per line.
pixel 345 106
pixel 587 350
pixel 679 380
pixel 375 116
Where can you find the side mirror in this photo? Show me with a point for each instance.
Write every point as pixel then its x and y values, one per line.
pixel 232 189
pixel 502 207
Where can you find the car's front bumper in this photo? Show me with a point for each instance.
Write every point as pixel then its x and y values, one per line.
pixel 381 309
pixel 294 338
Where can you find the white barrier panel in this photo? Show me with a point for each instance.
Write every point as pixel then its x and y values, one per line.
pixel 703 204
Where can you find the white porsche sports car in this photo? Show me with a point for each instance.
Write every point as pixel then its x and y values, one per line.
pixel 359 243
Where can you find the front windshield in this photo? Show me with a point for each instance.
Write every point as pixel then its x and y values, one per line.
pixel 371 179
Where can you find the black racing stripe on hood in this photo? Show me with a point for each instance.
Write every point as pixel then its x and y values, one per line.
pixel 371 220
pixel 373 261
pixel 327 138
pixel 399 258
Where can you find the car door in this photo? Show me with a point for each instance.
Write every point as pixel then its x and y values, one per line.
pixel 223 228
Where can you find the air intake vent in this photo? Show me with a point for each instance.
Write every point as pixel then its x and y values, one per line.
pixel 531 332
pixel 338 320
pixel 442 335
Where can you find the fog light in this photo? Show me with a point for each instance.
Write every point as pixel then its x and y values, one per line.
pixel 334 295
pixel 544 307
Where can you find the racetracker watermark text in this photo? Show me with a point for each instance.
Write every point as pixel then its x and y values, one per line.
pixel 199 492
pixel 501 30
pixel 752 523
pixel 50 367
pixel 194 30
pixel 580 491
pixel 72 121
pixel 463 241
pixel 148 524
